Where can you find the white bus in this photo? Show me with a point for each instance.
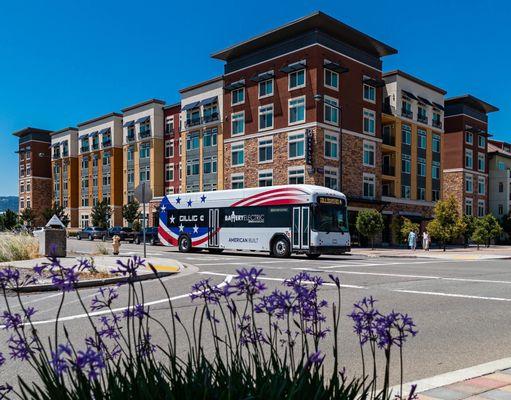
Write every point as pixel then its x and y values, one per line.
pixel 305 219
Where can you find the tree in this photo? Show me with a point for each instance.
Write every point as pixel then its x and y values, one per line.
pixel 505 223
pixel 447 224
pixel 8 220
pixel 130 212
pixel 395 227
pixel 101 214
pixel 408 226
pixel 469 222
pixel 479 231
pixel 28 216
pixel 369 223
pixel 494 230
pixel 55 210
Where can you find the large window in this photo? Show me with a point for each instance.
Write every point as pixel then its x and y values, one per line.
pixel 237 181
pixel 169 125
pixel 266 178
pixel 296 175
pixel 266 88
pixel 332 178
pixel 421 193
pixel 421 167
pixel 237 154
pixel 192 141
pixel 369 150
pixel 238 96
pixel 238 123
pixel 331 146
pixel 266 117
pixel 369 93
pixel 481 162
pixel 369 186
pixel 369 122
pixel 469 184
pixel 331 79
pixel 296 79
pixel 145 174
pixel 210 137
pixel 481 185
pixel 145 150
pixel 468 207
pixel 296 110
pixel 265 150
pixel 406 134
pixel 436 143
pixel 469 162
pixel 209 165
pixel 481 208
pixel 331 110
pixel 406 165
pixel 481 141
pixel 169 148
pixel 296 145
pixel 169 172
pixel 469 137
pixel 421 138
pixel 406 191
pixel 435 170
pixel 192 167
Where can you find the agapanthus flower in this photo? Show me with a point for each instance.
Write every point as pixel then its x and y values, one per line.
pixel 66 278
pixel 11 278
pixel 91 362
pixel 315 359
pixel 20 349
pixel 108 329
pixel 137 311
pixel 60 359
pixel 145 347
pixel 5 389
pixel 104 298
pixel 205 291
pixel 2 359
pixel 130 267
pixel 364 317
pixel 247 282
pixel 12 320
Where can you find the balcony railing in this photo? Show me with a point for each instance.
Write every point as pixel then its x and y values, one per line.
pixel 56 156
pixel 107 143
pixel 407 114
pixel 389 139
pixel 389 170
pixel 437 124
pixel 144 134
pixel 84 149
pixel 95 146
pixel 130 138
pixel 65 154
pixel 422 118
pixel 202 120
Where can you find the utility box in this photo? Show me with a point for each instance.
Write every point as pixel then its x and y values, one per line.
pixel 52 238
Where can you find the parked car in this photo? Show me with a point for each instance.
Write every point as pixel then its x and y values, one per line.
pixel 151 236
pixel 92 232
pixel 123 232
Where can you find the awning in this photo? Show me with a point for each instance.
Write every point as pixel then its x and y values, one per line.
pixel 128 124
pixel 438 106
pixel 293 67
pixel 263 77
pixel 93 134
pixel 208 101
pixel 234 85
pixel 373 81
pixel 143 119
pixel 190 106
pixel 333 66
pixel 424 101
pixel 55 144
pixel 83 137
pixel 409 95
pixel 103 131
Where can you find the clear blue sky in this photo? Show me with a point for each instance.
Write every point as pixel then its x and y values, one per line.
pixel 63 62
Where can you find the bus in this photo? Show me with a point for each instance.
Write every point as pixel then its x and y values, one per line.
pixel 281 220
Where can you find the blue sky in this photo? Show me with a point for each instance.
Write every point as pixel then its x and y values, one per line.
pixel 63 62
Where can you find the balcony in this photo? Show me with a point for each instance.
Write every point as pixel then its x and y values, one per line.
pixel 84 149
pixel 65 154
pixel 145 134
pixel 211 117
pixel 202 120
pixel 422 118
pixel 389 170
pixel 407 114
pixel 107 143
pixel 389 138
pixel 437 124
pixel 95 146
pixel 56 156
pixel 130 138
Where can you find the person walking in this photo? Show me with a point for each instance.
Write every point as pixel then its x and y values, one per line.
pixel 412 240
pixel 425 240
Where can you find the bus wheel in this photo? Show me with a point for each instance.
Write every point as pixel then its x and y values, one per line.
pixel 185 244
pixel 313 255
pixel 215 251
pixel 280 247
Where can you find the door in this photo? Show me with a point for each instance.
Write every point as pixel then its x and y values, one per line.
pixel 301 228
pixel 214 224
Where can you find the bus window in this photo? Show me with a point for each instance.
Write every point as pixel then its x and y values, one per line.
pixel 330 218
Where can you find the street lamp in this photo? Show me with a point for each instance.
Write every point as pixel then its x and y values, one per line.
pixel 319 98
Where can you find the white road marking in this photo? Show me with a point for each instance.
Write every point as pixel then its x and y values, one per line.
pixel 244 262
pixel 408 263
pixel 462 296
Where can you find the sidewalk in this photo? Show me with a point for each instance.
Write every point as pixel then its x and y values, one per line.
pixel 452 253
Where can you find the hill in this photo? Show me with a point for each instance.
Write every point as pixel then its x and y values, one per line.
pixel 9 202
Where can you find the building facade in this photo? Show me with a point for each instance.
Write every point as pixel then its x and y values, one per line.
pixel 64 167
pixel 34 167
pixel 173 170
pixel 499 178
pixel 464 153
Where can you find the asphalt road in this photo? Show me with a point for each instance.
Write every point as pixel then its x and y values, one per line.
pixel 461 309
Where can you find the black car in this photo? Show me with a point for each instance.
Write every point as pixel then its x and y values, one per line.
pixel 92 232
pixel 124 233
pixel 151 236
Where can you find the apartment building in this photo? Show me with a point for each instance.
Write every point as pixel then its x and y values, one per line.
pixel 143 147
pixel 499 178
pixel 202 136
pixel 412 131
pixel 464 153
pixel 302 104
pixel 34 168
pixel 64 167
pixel 172 149
pixel 100 166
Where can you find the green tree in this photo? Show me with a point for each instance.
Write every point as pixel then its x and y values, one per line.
pixel 100 214
pixel 469 222
pixel 447 224
pixel 395 227
pixel 479 231
pixel 408 226
pixel 369 223
pixel 8 220
pixel 28 216
pixel 130 212
pixel 57 210
pixel 494 230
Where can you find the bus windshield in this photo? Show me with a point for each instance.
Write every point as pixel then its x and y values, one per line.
pixel 330 218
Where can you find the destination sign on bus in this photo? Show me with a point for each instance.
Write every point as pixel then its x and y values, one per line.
pixel 330 200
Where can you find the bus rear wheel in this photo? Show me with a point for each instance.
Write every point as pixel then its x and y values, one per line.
pixel 313 255
pixel 185 244
pixel 280 247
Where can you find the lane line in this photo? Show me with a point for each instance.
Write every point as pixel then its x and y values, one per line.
pixel 384 264
pixel 462 296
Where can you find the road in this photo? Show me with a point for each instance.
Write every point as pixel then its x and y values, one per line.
pixel 461 308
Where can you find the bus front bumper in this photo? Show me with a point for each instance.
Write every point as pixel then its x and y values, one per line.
pixel 333 250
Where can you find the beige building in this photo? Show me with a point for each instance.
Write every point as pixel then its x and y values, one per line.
pixel 499 178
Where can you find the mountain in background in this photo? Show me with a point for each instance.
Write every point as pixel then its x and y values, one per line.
pixel 9 202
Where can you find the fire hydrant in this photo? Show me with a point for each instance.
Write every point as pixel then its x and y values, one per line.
pixel 116 244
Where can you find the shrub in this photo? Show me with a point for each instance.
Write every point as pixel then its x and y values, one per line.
pixel 369 223
pixel 102 249
pixel 16 247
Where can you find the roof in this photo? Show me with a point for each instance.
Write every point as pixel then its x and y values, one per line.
pixel 172 106
pixel 472 101
pixel 494 149
pixel 28 130
pixel 198 85
pixel 414 79
pixel 90 121
pixel 143 103
pixel 315 21
pixel 69 128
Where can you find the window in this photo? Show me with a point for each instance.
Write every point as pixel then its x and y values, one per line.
pixel 22 187
pixel 169 172
pixel 369 93
pixel 130 175
pixel 209 165
pixel 238 123
pixel 130 151
pixel 192 167
pixel 468 159
pixel 169 148
pixel 106 159
pixel 106 179
pixel 421 167
pixel 331 79
pixel 130 136
pixel 406 109
pixel 481 185
pixel 22 170
pixel 192 141
pixel 437 119
pixel 435 170
pixel 95 161
pixel 406 134
pixel 406 192
pixel 435 195
pixel 95 142
pixel 169 125
pixel 332 178
pixel 436 143
pixel 209 137
pixel 481 208
pixel 481 141
pixel 296 110
pixel 369 122
pixel 331 146
pixel 331 110
pixel 145 174
pixel 237 181
pixel 22 203
pixel 501 209
pixel 421 193
pixel 266 117
pixel 84 220
pixel 422 115
pixel 145 150
pixel 421 138
pixel 406 164
pixel 28 185
pixel 266 88
pixel 266 178
pixel 237 154
pixel 369 150
pixel 28 169
pixel 501 187
pixel 296 79
pixel 481 162
pixel 469 184
pixel 469 138
pixel 501 166
pixel 296 175
pixel 265 150
pixel 296 145
pixel 238 96
pixel 468 206
pixel 369 186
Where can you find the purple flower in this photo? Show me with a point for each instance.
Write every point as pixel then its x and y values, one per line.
pixel 5 389
pixel 203 290
pixel 108 330
pixel 364 317
pixel 65 279
pixel 20 349
pixel 130 267
pixel 315 359
pixel 137 311
pixel 60 359
pixel 247 283
pixel 104 298
pixel 91 362
pixel 335 280
pixel 145 347
pixel 11 278
pixel 12 321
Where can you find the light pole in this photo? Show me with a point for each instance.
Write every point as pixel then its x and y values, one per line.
pixel 319 98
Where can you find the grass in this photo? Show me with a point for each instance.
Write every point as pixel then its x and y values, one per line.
pixel 17 247
pixel 101 249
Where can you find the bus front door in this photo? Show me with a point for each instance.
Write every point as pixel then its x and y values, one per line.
pixel 214 224
pixel 301 228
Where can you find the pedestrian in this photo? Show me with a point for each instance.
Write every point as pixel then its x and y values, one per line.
pixel 412 240
pixel 425 240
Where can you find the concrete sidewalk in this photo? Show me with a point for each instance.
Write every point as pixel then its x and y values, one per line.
pixel 452 253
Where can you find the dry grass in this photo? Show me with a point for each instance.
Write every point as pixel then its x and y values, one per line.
pixel 16 247
pixel 102 249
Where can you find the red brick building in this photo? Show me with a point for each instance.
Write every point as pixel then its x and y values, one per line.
pixel 172 149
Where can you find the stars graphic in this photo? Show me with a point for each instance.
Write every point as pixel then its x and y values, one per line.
pixel 178 200
pixel 172 219
pixel 195 229
pixel 163 208
pixel 181 228
pixel 189 202
pixel 203 198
